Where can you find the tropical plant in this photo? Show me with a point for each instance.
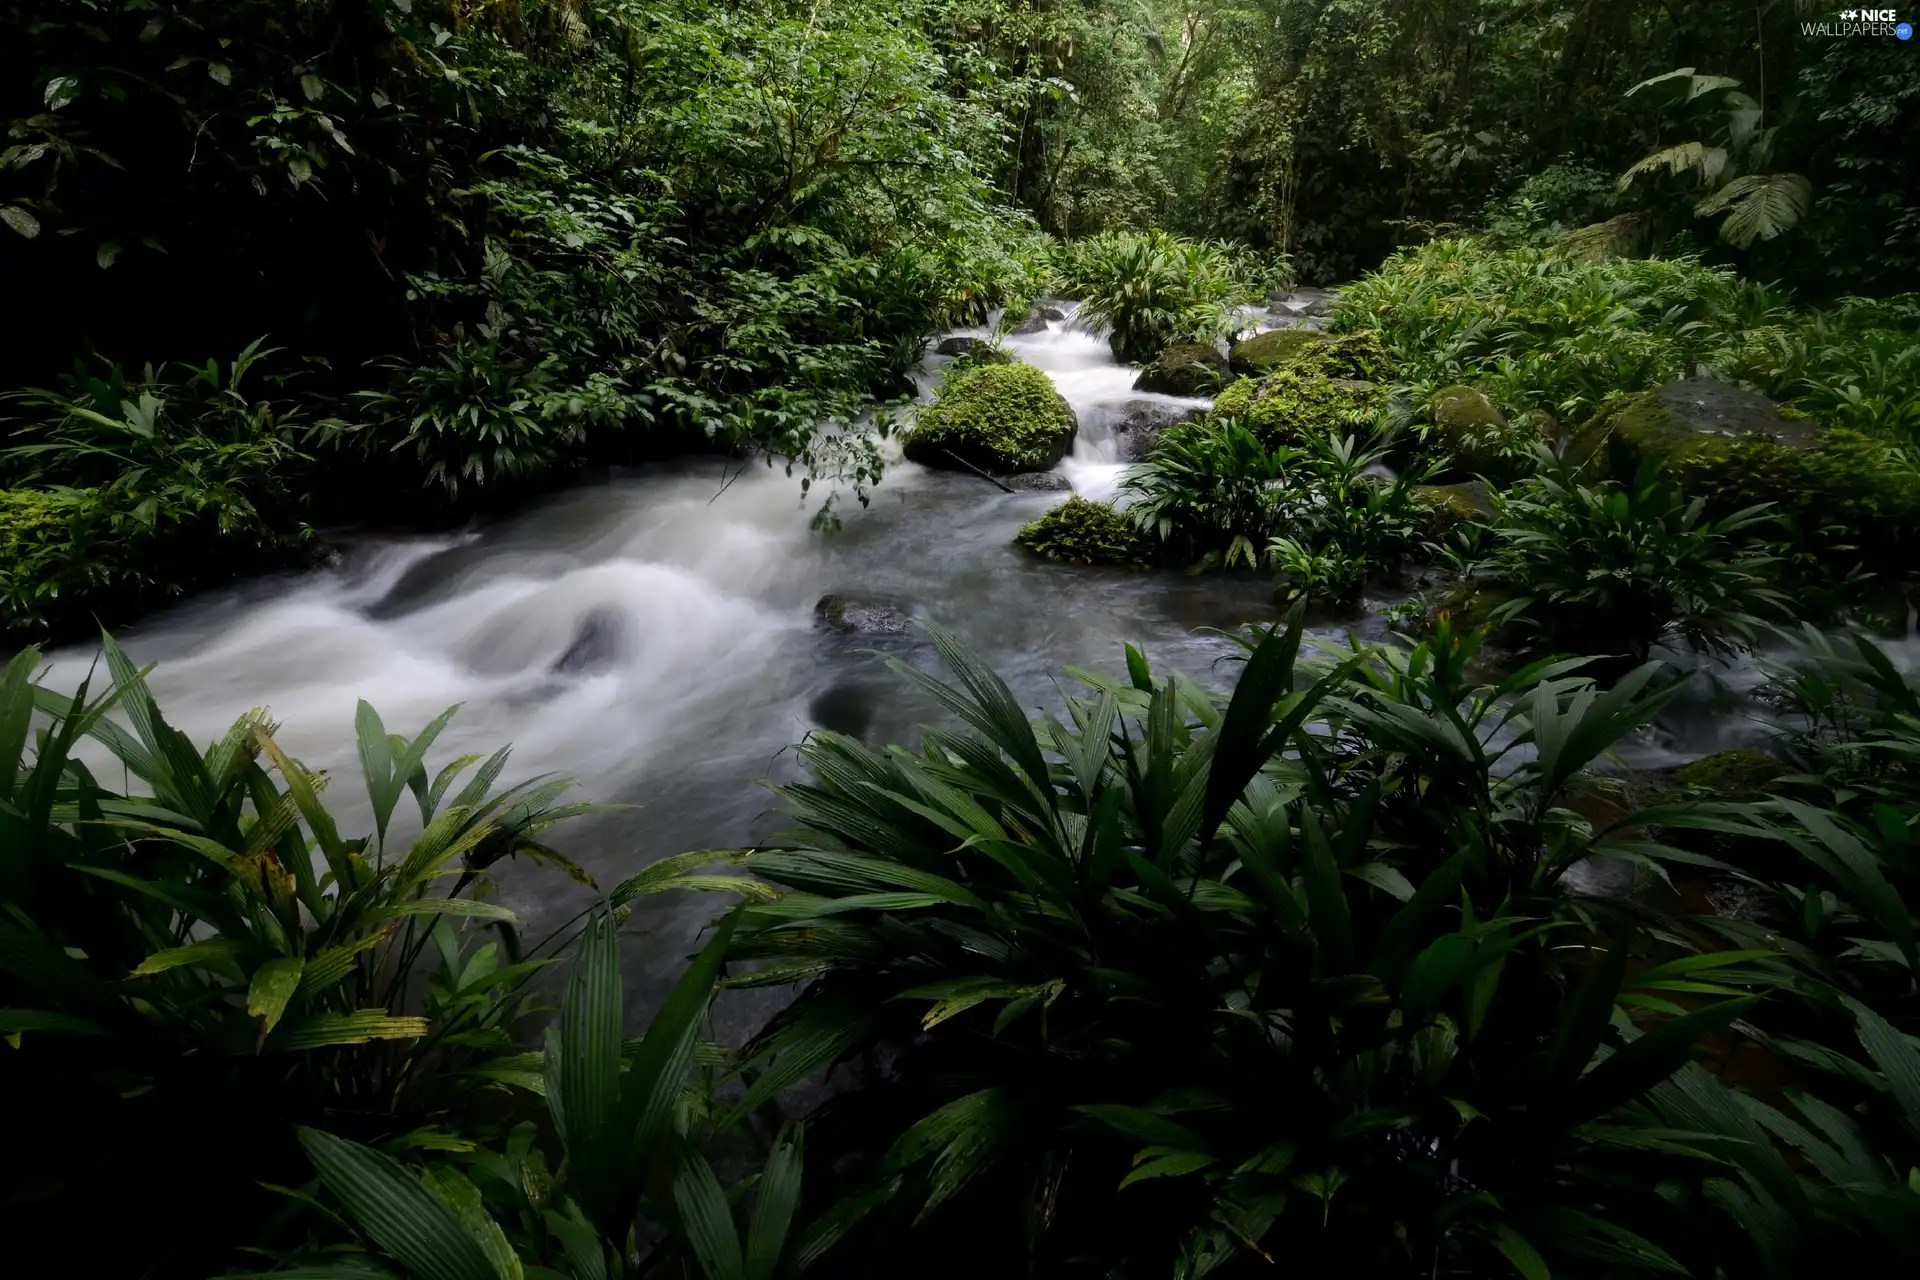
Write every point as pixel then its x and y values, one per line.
pixel 188 969
pixel 1628 566
pixel 612 1181
pixel 1728 170
pixel 1297 976
pixel 1148 289
pixel 1215 492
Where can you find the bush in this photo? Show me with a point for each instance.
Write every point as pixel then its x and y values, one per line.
pixel 1082 532
pixel 1215 492
pixel 1149 289
pixel 194 964
pixel 1632 565
pixel 1295 976
pixel 997 418
pixel 127 491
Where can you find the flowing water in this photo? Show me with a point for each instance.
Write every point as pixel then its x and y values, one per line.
pixel 655 637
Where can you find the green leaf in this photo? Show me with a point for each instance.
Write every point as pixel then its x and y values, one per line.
pixel 214 953
pixel 273 985
pixel 1525 1258
pixel 707 1219
pixel 22 222
pixel 395 1211
pixel 1163 1162
pixel 775 1203
pixel 323 1030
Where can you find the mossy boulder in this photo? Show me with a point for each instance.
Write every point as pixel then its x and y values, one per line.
pixel 1731 775
pixel 1682 419
pixel 995 418
pixel 48 540
pixel 1274 349
pixel 1337 355
pixel 1624 236
pixel 1295 405
pixel 1448 506
pixel 1184 369
pixel 1843 496
pixel 1079 531
pixel 1466 428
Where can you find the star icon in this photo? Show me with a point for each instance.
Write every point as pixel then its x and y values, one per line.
pixel 1848 15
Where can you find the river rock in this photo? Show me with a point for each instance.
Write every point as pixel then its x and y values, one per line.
pixel 959 345
pixel 1184 369
pixel 1692 416
pixel 599 645
pixel 1052 313
pixel 864 617
pixel 1039 482
pixel 999 419
pixel 1036 322
pixel 1142 422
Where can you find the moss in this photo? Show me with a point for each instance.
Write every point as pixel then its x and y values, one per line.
pixel 999 418
pixel 1844 497
pixel 1292 405
pixel 1344 355
pixel 1448 506
pixel 979 355
pixel 1731 775
pixel 1468 429
pixel 1082 532
pixel 1184 369
pixel 1624 236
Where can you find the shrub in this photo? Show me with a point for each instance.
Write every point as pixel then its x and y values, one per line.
pixel 187 970
pixel 997 418
pixel 1147 289
pixel 1631 565
pixel 1296 976
pixel 147 487
pixel 1082 532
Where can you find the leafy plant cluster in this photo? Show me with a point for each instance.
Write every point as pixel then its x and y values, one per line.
pixel 1163 983
pixel 122 491
pixel 1216 493
pixel 1148 289
pixel 1166 986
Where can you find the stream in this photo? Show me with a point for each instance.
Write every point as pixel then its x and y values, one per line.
pixel 655 637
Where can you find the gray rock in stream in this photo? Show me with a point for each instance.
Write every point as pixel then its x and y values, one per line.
pixel 600 644
pixel 1039 482
pixel 959 346
pixel 1141 423
pixel 853 616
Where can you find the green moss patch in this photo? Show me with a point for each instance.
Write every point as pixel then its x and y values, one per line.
pixel 1466 428
pixel 1294 405
pixel 1082 532
pixel 1344 355
pixel 1184 369
pixel 1448 506
pixel 997 418
pixel 1731 775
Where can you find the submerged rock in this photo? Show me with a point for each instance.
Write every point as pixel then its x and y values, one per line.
pixel 1000 419
pixel 600 644
pixel 1184 369
pixel 1036 322
pixel 855 616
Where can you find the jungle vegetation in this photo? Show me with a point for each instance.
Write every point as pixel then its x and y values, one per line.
pixel 1182 979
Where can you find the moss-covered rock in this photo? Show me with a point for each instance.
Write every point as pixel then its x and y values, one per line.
pixel 995 418
pixel 1731 775
pixel 1079 531
pixel 1293 405
pixel 1448 506
pixel 1184 369
pixel 1344 355
pixel 1467 429
pixel 1844 497
pixel 1624 236
pixel 1274 349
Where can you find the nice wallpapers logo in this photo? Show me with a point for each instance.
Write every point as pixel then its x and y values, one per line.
pixel 1862 22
